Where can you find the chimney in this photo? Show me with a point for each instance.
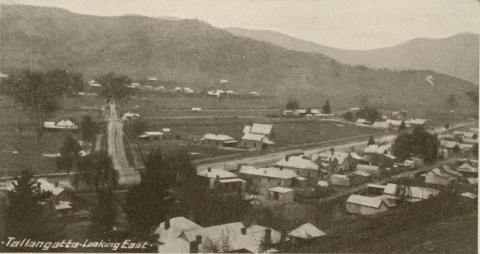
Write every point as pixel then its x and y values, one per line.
pixel 244 231
pixel 194 244
pixel 281 167
pixel 286 157
pixel 268 237
pixel 209 169
pixel 167 223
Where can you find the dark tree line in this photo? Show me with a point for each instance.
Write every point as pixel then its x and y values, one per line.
pixel 418 142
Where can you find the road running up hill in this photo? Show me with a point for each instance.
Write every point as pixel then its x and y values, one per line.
pixel 127 176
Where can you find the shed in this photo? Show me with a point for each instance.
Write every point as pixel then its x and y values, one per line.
pixel 305 232
pixel 280 195
pixel 358 204
pixel 340 180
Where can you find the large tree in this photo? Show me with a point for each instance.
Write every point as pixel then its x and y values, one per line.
pixel 69 154
pixel 114 87
pixel 25 213
pixel 326 108
pixel 103 217
pixel 419 142
pixel 40 93
pixel 369 114
pixel 95 171
pixel 292 105
pixel 88 128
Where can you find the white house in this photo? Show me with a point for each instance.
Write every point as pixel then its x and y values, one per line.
pixel 219 140
pixel 169 235
pixel 340 180
pixel 411 193
pixel 227 181
pixel 300 165
pixel 260 179
pixel 364 205
pixel 304 233
pixel 257 136
pixel 280 195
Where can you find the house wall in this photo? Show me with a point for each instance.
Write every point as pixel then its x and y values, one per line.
pixel 365 210
pixel 282 197
pixel 260 183
pixel 304 172
pixel 435 179
pixel 250 144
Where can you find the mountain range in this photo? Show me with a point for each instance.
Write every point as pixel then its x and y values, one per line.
pixel 456 55
pixel 198 54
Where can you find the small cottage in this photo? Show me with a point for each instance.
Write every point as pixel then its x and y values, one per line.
pixel 363 205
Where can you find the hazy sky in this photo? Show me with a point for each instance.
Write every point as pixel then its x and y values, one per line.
pixel 350 24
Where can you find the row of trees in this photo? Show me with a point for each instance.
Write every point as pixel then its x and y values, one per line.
pixel 418 142
pixel 40 93
pixel 294 105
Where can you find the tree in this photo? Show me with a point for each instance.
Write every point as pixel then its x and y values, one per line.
pixel 96 171
pixel 103 217
pixel 475 150
pixel 452 101
pixel 369 114
pixel 326 108
pixel 456 149
pixel 135 127
pixel 150 202
pixel 70 82
pixel 88 128
pixel 114 87
pixel 371 141
pixel 401 146
pixel 447 126
pixel 24 214
pixel 419 142
pixel 473 96
pixel 37 92
pixel 348 116
pixel 402 126
pixel 69 154
pixel 292 105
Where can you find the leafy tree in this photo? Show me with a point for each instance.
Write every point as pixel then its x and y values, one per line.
pixel 326 108
pixel 292 105
pixel 419 142
pixel 402 126
pixel 24 214
pixel 114 87
pixel 447 126
pixel 348 116
pixel 401 147
pixel 135 127
pixel 88 128
pixel 39 93
pixel 69 154
pixel 456 149
pixel 369 114
pixel 371 141
pixel 150 202
pixel 103 217
pixel 70 82
pixel 96 171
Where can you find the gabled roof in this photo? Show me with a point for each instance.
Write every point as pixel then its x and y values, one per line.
pixel 412 191
pixel 264 129
pixel 178 225
pixel 268 172
pixel 465 167
pixel 218 137
pixel 374 202
pixel 297 162
pixel 327 155
pixel 306 231
pixel 280 189
pixel 231 233
pixel 377 149
pixel 214 172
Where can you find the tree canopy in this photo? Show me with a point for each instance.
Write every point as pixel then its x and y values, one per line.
pixel 326 108
pixel 292 105
pixel 369 114
pixel 114 87
pixel 69 154
pixel 88 128
pixel 419 142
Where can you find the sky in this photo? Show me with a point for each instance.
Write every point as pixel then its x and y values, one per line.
pixel 346 24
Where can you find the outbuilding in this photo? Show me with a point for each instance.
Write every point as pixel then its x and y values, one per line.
pixel 358 204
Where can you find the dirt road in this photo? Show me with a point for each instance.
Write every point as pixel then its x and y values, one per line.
pixel 265 159
pixel 127 176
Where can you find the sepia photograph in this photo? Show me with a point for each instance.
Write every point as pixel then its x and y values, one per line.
pixel 239 126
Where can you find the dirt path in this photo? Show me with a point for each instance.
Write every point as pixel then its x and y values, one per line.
pixel 116 149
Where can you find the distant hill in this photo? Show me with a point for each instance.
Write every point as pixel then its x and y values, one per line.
pixel 196 53
pixel 456 55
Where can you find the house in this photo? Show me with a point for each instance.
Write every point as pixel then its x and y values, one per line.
pixel 219 140
pixel 254 93
pixel 468 169
pixel 151 135
pixel 394 123
pixel 196 109
pixel 410 193
pixel 337 161
pixel 129 116
pixel 358 177
pixel 361 121
pixel 381 124
pixel 340 180
pixel 300 165
pixel 260 179
pixel 188 90
pixel 416 122
pixel 60 125
pixel 223 180
pixel 231 237
pixel 364 205
pixel 280 195
pixel 439 177
pixel 257 136
pixel 305 233
pixel 152 79
pixel 169 235
pixel 370 169
pixel 375 189
pixel 379 155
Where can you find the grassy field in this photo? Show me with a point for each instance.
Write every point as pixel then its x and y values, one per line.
pixel 22 149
